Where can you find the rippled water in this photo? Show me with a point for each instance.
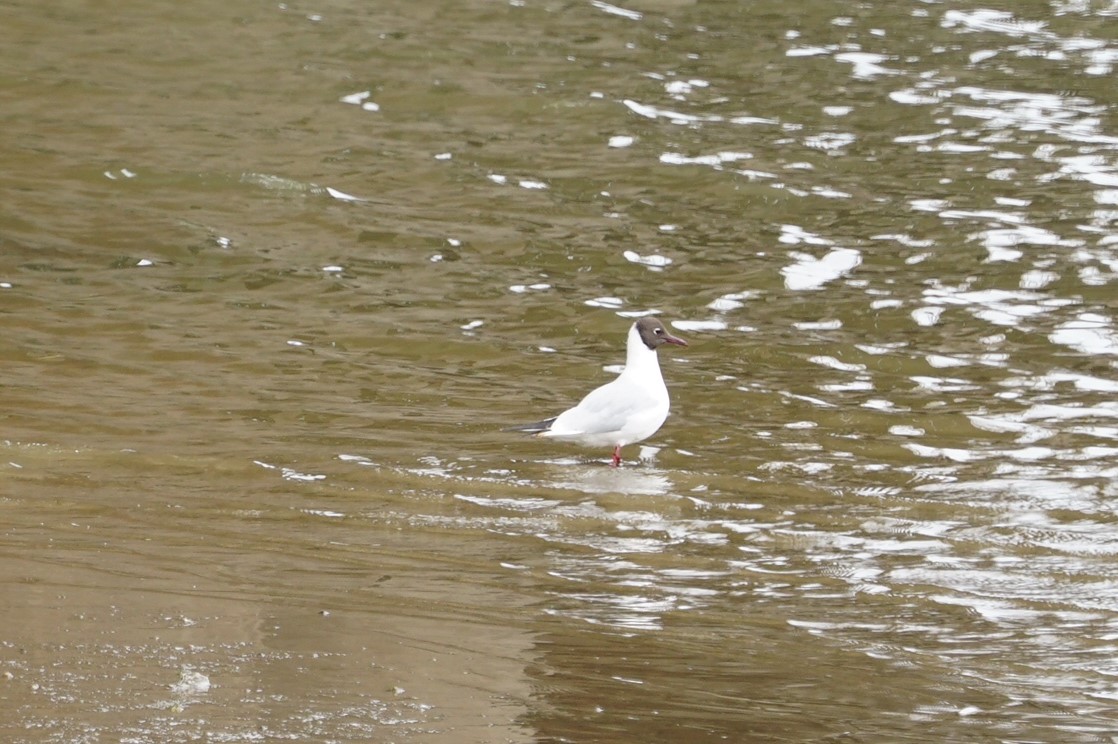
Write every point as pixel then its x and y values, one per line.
pixel 274 277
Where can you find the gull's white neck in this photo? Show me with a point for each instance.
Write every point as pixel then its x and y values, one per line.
pixel 641 361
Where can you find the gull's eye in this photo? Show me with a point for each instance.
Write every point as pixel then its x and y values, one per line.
pixel 659 331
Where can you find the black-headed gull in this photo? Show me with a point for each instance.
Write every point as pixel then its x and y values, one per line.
pixel 630 409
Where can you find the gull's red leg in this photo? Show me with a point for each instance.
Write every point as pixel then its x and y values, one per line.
pixel 617 455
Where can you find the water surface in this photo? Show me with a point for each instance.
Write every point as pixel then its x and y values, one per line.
pixel 273 277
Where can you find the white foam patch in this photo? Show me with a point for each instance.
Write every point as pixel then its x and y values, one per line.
pixel 830 361
pixel 903 430
pixel 632 15
pixel 607 302
pixel 818 325
pixel 654 261
pixel 343 196
pixel 716 160
pixel 699 325
pixel 1037 279
pixel 655 112
pixel 812 273
pixel 997 306
pixel 1089 333
pixel 732 301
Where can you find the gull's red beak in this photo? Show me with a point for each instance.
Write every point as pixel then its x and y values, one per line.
pixel 670 339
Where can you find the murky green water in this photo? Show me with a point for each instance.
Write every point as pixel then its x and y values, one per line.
pixel 274 276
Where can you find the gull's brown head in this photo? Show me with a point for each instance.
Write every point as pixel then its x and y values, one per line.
pixel 654 334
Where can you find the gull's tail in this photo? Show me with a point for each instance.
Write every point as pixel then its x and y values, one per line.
pixel 538 427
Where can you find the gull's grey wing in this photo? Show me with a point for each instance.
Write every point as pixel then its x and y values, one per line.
pixel 604 410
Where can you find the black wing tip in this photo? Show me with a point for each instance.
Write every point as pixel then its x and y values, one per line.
pixel 533 428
